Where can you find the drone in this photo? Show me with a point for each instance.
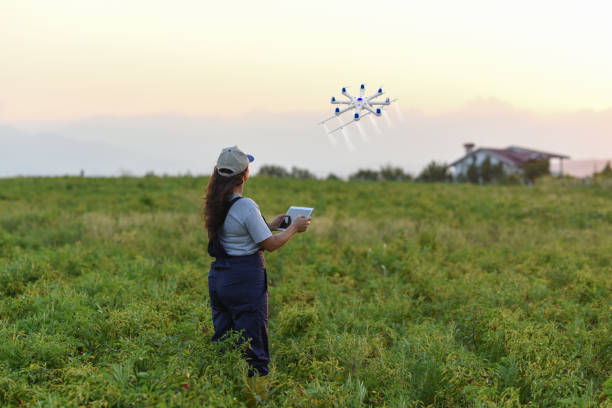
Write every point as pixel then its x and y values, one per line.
pixel 359 104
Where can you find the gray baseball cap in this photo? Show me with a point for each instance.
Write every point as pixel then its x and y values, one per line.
pixel 233 161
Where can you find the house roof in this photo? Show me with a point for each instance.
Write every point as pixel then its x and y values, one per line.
pixel 539 152
pixel 513 155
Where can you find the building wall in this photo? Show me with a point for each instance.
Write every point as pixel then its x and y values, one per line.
pixel 461 168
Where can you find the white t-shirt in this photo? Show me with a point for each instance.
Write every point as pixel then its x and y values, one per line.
pixel 243 229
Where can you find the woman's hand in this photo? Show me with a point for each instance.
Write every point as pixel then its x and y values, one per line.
pixel 276 222
pixel 301 223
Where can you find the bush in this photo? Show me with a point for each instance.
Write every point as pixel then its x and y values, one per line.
pixel 271 170
pixel 296 172
pixel 492 173
pixel 435 172
pixel 606 171
pixel 365 174
pixel 533 169
pixel 486 170
pixel 386 173
pixel 473 173
pixel 391 173
pixel 488 173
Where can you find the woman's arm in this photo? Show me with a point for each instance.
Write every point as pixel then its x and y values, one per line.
pixel 275 223
pixel 300 224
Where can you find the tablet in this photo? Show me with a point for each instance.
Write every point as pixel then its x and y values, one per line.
pixel 293 212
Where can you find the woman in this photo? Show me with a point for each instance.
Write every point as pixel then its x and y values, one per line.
pixel 237 235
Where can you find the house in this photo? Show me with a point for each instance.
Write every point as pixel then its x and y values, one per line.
pixel 510 160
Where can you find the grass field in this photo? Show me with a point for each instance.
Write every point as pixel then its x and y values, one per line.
pixel 399 295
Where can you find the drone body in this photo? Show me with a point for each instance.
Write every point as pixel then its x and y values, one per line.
pixel 361 105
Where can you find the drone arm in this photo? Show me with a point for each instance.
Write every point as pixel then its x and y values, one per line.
pixel 337 114
pixel 326 120
pixel 340 127
pixel 340 102
pixel 370 110
pixel 348 95
pixel 345 124
pixel 376 95
pixel 348 108
pixel 387 102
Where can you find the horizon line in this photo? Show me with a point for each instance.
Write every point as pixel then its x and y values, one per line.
pixel 473 102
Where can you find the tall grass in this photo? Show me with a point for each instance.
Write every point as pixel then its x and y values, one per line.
pixel 400 294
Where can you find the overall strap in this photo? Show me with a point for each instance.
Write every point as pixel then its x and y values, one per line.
pixel 232 201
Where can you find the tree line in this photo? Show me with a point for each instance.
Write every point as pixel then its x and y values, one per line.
pixel 433 172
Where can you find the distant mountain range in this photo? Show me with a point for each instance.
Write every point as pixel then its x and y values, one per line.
pixel 110 145
pixel 23 153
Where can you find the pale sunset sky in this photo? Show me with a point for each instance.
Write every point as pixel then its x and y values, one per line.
pixel 68 68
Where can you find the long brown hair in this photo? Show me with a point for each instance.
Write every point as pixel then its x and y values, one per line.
pixel 219 193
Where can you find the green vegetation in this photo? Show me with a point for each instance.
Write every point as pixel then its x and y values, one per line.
pixel 534 169
pixel 606 172
pixel 400 295
pixel 436 172
pixel 386 173
pixel 271 170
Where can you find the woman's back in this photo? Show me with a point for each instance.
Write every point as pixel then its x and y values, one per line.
pixel 243 229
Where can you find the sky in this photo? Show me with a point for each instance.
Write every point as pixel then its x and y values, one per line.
pixel 220 66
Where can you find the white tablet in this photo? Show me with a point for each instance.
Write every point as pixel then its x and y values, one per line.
pixel 296 212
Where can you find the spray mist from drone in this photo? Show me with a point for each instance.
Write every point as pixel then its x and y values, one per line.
pixel 375 125
pixel 362 132
pixel 347 139
pixel 399 113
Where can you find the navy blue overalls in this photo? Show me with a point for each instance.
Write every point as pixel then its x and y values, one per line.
pixel 238 290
